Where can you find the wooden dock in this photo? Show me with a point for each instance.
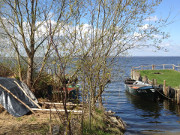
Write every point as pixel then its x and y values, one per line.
pixel 167 90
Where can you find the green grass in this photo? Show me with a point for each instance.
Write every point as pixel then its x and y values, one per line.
pixel 172 77
pixel 99 125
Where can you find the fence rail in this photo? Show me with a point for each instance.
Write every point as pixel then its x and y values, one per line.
pixel 157 67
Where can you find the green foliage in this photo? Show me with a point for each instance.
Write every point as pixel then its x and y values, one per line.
pixel 172 77
pixel 100 124
pixel 5 71
pixel 19 119
pixel 43 86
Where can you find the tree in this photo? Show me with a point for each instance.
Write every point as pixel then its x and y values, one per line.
pixel 109 30
pixel 26 24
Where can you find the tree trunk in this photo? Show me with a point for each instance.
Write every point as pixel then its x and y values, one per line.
pixel 93 101
pixel 19 67
pixel 30 71
pixel 100 102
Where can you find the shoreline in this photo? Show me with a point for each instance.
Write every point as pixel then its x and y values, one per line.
pixel 102 121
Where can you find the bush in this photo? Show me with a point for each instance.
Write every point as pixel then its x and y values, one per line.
pixel 5 71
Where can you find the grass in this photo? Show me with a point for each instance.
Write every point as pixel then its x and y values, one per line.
pixel 172 77
pixel 39 124
pixel 100 125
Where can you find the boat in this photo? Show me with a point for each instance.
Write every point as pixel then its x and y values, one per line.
pixel 72 92
pixel 141 89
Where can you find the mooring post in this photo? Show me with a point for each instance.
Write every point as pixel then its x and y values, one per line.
pixel 178 96
pixel 131 73
pixel 173 67
pixel 152 81
pixel 168 89
pixel 153 67
pixel 164 88
pixel 146 79
pixel 155 82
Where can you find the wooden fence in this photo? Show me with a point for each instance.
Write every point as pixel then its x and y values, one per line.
pixel 157 67
pixel 135 75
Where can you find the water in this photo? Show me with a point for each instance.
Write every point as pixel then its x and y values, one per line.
pixel 143 117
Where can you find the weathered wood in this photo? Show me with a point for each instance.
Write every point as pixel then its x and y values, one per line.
pixel 131 73
pixel 54 103
pixel 164 88
pixel 178 96
pixel 152 81
pixel 56 110
pixel 155 82
pixel 27 95
pixel 173 66
pixel 163 67
pixel 153 66
pixel 16 98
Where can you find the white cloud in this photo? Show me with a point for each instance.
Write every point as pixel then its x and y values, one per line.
pixel 151 18
pixel 167 44
pixel 136 34
pixel 145 27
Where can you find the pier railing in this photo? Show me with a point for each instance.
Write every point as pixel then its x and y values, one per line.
pixel 157 67
pixel 166 90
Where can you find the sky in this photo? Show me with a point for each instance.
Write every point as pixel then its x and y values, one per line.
pixel 172 44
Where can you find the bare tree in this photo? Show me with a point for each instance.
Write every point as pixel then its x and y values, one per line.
pixel 111 28
pixel 26 24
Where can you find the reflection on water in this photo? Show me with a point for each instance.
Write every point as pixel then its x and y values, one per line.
pixel 153 117
pixel 145 105
pixel 143 117
pixel 151 108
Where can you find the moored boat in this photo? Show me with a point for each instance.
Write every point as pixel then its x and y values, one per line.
pixel 141 89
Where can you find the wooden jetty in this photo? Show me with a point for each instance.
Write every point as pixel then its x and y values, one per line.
pixel 135 74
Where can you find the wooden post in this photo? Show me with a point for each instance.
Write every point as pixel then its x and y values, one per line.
pixel 178 96
pixel 164 88
pixel 152 81
pixel 175 95
pixel 153 67
pixel 141 67
pixel 173 67
pixel 163 67
pixel 146 79
pixel 167 90
pixel 155 82
pixel 131 73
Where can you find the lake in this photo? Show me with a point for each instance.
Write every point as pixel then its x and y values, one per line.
pixel 142 117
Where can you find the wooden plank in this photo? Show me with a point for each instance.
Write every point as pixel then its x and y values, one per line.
pixel 54 103
pixel 56 110
pixel 27 95
pixel 16 98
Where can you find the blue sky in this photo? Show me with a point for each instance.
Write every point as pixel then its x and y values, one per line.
pixel 172 44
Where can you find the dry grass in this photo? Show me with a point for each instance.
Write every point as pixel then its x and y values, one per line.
pixel 37 124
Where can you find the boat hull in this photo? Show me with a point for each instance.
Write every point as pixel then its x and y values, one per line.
pixel 146 92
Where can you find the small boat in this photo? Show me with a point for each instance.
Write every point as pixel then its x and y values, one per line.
pixel 72 92
pixel 141 89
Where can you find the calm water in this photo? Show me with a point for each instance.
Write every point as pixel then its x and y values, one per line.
pixel 143 117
